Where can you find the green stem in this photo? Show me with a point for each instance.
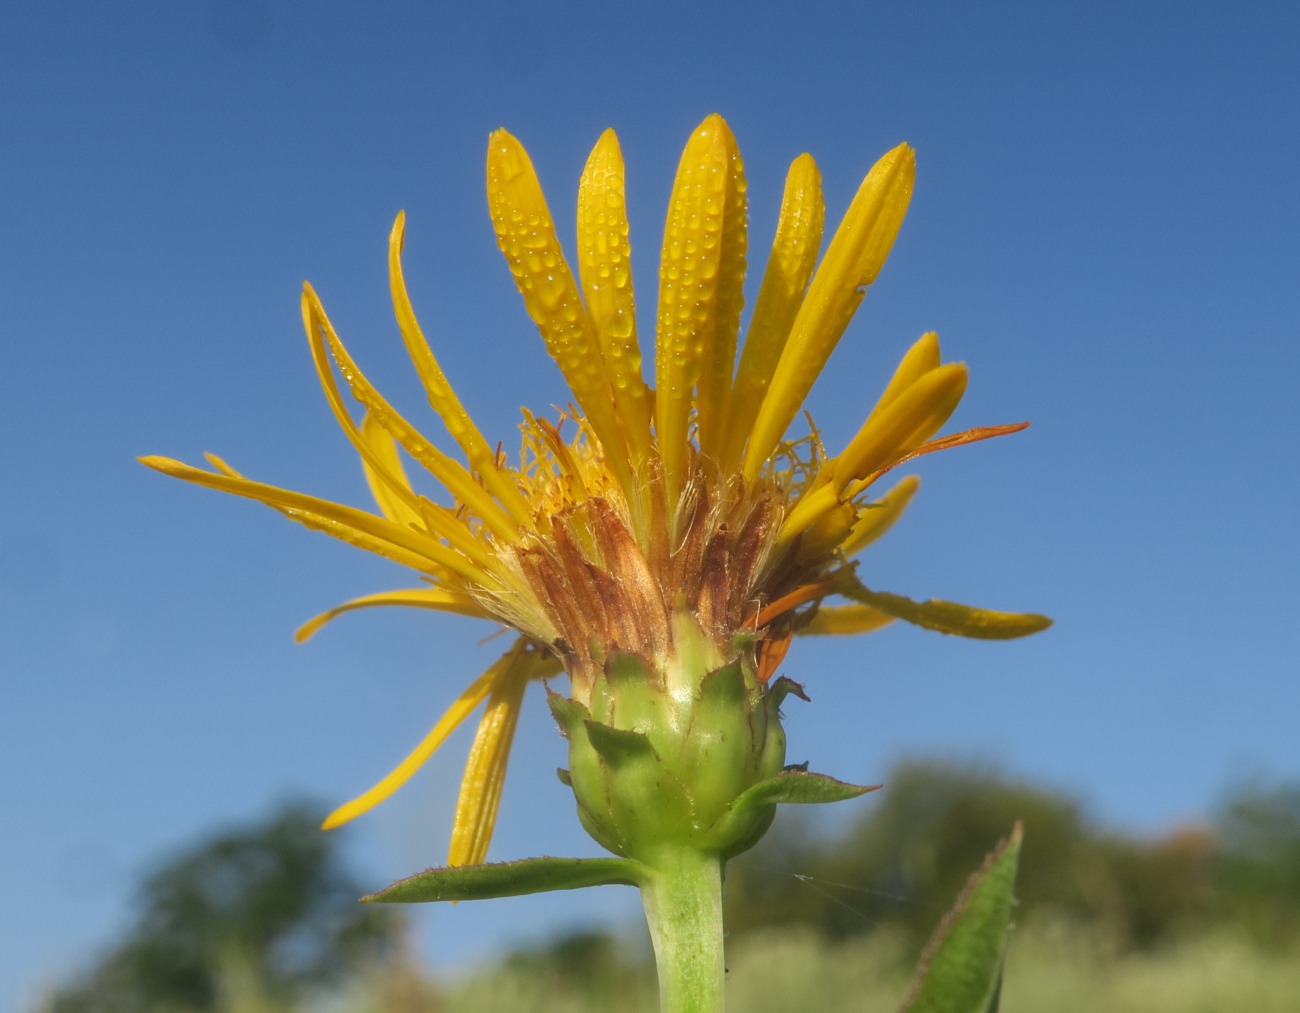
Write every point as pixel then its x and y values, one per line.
pixel 683 907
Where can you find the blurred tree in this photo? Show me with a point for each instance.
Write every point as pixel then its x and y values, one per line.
pixel 919 839
pixel 1259 872
pixel 273 900
pixel 910 854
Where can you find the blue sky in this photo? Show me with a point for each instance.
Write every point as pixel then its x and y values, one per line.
pixel 1106 227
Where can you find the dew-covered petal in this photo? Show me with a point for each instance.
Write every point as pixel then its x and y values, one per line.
pixel 902 425
pixel 950 617
pixel 920 359
pixel 526 236
pixel 396 508
pixel 459 482
pixel 854 258
pixel 485 770
pixel 442 396
pixel 356 527
pixel 789 266
pixel 605 268
pixel 701 281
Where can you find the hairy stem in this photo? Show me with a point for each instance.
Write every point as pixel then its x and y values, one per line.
pixel 683 907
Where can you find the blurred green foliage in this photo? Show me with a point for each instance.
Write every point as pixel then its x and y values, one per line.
pixel 1259 867
pixel 271 902
pixel 1202 917
pixel 902 861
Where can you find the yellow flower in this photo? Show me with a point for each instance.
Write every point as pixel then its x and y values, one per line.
pixel 687 498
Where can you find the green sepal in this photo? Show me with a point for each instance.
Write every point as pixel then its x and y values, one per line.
pixel 798 785
pixel 511 879
pixel 783 688
pixel 617 746
pixel 564 777
pixel 629 693
pixel 725 687
pixel 791 785
pixel 961 969
pixel 569 714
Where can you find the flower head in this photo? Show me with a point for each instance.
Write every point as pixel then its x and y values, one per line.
pixel 644 517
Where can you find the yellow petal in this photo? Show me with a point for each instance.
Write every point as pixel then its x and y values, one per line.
pixel 526 236
pixel 949 617
pixel 605 267
pixel 844 620
pixel 448 723
pixel 459 482
pixel 436 598
pixel 485 770
pixel 442 396
pixel 364 530
pixel 854 258
pixel 396 508
pixel 961 439
pixel 794 252
pixel 701 274
pixel 874 519
pixel 395 487
pixel 920 359
pixel 902 425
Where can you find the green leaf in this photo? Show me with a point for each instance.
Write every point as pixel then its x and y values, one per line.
pixel 510 879
pixel 961 969
pixel 791 785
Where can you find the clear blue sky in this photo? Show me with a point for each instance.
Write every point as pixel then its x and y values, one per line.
pixel 1106 227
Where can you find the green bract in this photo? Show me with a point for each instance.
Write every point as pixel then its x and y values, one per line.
pixel 690 755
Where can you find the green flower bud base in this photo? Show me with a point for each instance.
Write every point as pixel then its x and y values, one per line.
pixel 660 755
pixel 679 766
pixel 676 766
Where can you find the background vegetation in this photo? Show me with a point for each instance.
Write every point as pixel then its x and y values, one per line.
pixel 263 920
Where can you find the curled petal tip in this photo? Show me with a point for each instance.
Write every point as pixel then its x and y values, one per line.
pixel 336 819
